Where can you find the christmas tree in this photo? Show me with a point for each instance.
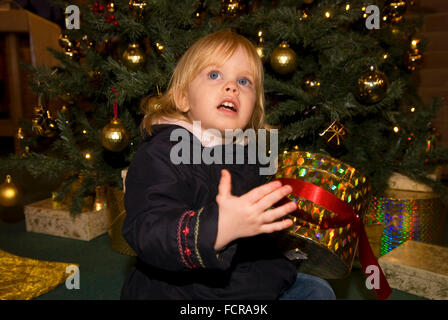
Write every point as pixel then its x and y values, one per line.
pixel 334 82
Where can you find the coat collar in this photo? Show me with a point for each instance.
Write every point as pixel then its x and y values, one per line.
pixel 207 137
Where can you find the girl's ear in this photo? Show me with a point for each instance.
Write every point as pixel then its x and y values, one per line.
pixel 181 100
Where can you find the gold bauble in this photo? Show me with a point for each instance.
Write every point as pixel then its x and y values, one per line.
pixel 153 103
pixel 311 84
pixel 134 57
pixel 9 193
pixel 65 42
pixel 283 59
pixel 412 59
pixel 43 123
pixel 137 8
pixel 114 136
pixel 394 10
pixel 150 104
pixel 372 86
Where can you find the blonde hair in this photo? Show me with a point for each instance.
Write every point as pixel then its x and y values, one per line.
pixel 208 50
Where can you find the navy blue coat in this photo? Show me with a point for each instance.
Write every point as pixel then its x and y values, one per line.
pixel 171 223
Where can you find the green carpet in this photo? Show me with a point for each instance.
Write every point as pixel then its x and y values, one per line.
pixel 103 270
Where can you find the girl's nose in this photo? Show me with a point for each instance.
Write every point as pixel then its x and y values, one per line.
pixel 231 87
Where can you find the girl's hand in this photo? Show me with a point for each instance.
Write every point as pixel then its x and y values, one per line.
pixel 247 215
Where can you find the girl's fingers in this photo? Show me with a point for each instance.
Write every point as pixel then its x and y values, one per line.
pixel 272 198
pixel 276 226
pixel 257 193
pixel 277 213
pixel 225 184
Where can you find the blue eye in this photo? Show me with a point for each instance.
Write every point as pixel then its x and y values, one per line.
pixel 244 82
pixel 213 75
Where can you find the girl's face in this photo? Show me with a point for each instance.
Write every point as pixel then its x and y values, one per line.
pixel 222 97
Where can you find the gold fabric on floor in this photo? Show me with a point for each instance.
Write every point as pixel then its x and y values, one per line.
pixel 25 278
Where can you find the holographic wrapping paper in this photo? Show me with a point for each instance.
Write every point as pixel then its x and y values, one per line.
pixel 407 215
pixel 24 278
pixel 329 252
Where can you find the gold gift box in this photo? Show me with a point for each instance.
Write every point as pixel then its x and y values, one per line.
pixel 324 252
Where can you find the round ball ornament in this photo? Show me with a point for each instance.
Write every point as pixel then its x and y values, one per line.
pixel 9 193
pixel 372 86
pixel 153 103
pixel 43 123
pixel 283 59
pixel 134 57
pixel 65 41
pixel 114 136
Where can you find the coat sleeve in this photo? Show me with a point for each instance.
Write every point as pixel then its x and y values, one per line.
pixel 161 225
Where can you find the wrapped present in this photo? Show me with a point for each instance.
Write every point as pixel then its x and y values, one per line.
pixel 331 197
pixel 398 181
pixel 54 218
pixel 116 214
pixel 24 278
pixel 407 215
pixel 418 268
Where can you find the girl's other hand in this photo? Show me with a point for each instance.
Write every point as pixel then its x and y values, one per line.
pixel 247 215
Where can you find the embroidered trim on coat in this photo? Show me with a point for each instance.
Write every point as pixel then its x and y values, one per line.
pixel 196 234
pixel 185 254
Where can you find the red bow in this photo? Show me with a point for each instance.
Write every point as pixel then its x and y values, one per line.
pixel 344 214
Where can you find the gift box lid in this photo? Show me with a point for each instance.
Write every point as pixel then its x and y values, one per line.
pixel 419 255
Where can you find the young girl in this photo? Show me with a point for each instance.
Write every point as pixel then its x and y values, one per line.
pixel 201 231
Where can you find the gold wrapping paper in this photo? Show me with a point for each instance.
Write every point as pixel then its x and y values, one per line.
pixel 24 278
pixel 116 214
pixel 327 253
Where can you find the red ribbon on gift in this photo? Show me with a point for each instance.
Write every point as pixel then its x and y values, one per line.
pixel 344 214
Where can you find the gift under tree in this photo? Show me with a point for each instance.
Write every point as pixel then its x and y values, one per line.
pixel 332 85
